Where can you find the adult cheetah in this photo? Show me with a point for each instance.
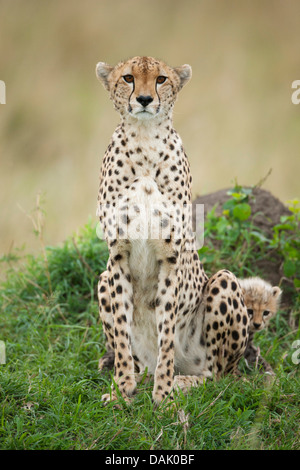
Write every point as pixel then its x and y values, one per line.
pixel 158 308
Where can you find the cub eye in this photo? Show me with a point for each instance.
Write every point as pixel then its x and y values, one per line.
pixel 266 313
pixel 250 311
pixel 161 79
pixel 128 78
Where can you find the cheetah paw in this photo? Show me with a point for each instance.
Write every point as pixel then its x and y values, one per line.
pixel 113 398
pixel 127 387
pixel 160 396
pixel 186 382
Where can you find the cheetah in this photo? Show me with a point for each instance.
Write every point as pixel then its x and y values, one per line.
pixel 158 308
pixel 262 302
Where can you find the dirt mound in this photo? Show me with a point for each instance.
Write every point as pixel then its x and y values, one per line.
pixel 266 208
pixel 266 211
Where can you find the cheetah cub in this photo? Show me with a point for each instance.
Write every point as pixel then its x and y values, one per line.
pixel 262 302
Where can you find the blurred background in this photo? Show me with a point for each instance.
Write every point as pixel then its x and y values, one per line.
pixel 235 117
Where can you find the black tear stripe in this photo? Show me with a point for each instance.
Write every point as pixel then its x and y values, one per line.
pixel 129 105
pixel 157 111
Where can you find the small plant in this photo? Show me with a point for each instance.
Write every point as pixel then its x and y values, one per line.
pixel 237 208
pixel 232 238
pixel 286 240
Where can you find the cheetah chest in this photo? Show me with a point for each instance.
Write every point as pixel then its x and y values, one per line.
pixel 148 211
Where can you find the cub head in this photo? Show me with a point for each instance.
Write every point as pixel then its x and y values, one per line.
pixel 143 87
pixel 262 301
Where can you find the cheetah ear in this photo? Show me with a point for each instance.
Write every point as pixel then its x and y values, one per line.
pixel 276 291
pixel 103 71
pixel 185 73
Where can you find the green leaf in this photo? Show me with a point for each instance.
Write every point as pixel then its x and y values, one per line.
pixel 283 227
pixel 231 203
pixel 222 225
pixel 242 211
pixel 289 268
pixel 259 236
pixel 285 218
pixel 238 196
pixel 297 283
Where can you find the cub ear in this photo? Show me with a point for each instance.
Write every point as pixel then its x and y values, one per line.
pixel 185 73
pixel 103 71
pixel 276 291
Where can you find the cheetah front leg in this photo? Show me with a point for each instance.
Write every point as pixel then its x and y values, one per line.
pixel 166 309
pixel 121 295
pixel 105 313
pixel 106 317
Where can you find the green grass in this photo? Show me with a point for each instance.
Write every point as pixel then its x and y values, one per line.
pixel 50 388
pixel 235 117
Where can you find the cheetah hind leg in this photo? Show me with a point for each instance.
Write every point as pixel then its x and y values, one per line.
pixel 107 360
pixel 226 323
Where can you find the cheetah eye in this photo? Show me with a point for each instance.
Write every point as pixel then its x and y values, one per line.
pixel 266 313
pixel 250 311
pixel 161 79
pixel 128 78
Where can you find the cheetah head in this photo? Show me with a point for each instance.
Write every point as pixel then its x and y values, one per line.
pixel 262 301
pixel 143 87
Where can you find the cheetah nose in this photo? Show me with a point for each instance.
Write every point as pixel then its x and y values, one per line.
pixel 144 100
pixel 256 325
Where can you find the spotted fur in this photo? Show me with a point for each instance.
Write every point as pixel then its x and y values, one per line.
pixel 158 308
